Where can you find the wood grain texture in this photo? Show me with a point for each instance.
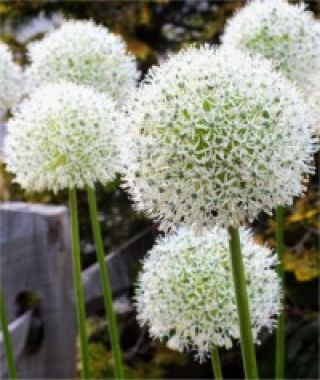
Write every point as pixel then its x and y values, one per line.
pixel 35 257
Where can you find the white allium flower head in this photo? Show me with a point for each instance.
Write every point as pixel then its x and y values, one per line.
pixel 185 292
pixel 287 34
pixel 215 137
pixel 83 53
pixel 10 80
pixel 63 136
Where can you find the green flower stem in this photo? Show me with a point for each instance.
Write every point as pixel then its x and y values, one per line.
pixel 247 346
pixel 8 349
pixel 216 365
pixel 280 339
pixel 105 280
pixel 78 287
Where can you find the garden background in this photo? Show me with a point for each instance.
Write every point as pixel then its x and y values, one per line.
pixel 152 30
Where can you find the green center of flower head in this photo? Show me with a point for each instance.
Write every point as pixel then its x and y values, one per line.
pixel 216 134
pixel 209 138
pixel 270 45
pixel 213 131
pixel 58 160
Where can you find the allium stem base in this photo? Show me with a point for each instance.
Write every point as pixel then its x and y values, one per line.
pixel 106 286
pixel 239 278
pixel 280 339
pixel 216 365
pixel 78 288
pixel 12 371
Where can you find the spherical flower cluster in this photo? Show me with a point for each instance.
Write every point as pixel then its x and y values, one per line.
pixel 64 136
pixel 215 137
pixel 10 78
pixel 185 292
pixel 287 34
pixel 86 54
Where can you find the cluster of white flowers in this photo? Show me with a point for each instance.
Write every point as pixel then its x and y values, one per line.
pixel 211 138
pixel 64 136
pixel 185 291
pixel 10 79
pixel 287 34
pixel 215 137
pixel 86 54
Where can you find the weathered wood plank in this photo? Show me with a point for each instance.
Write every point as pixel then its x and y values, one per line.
pixel 35 257
pixel 19 330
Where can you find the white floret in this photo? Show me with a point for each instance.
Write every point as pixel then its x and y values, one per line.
pixel 215 137
pixel 87 54
pixel 287 34
pixel 64 136
pixel 185 292
pixel 10 80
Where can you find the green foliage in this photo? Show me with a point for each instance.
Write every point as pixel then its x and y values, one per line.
pixel 102 364
pixel 102 361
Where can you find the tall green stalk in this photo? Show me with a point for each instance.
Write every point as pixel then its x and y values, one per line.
pixel 78 287
pixel 216 365
pixel 239 279
pixel 106 287
pixel 280 338
pixel 8 349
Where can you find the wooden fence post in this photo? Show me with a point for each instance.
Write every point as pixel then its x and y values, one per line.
pixel 35 257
